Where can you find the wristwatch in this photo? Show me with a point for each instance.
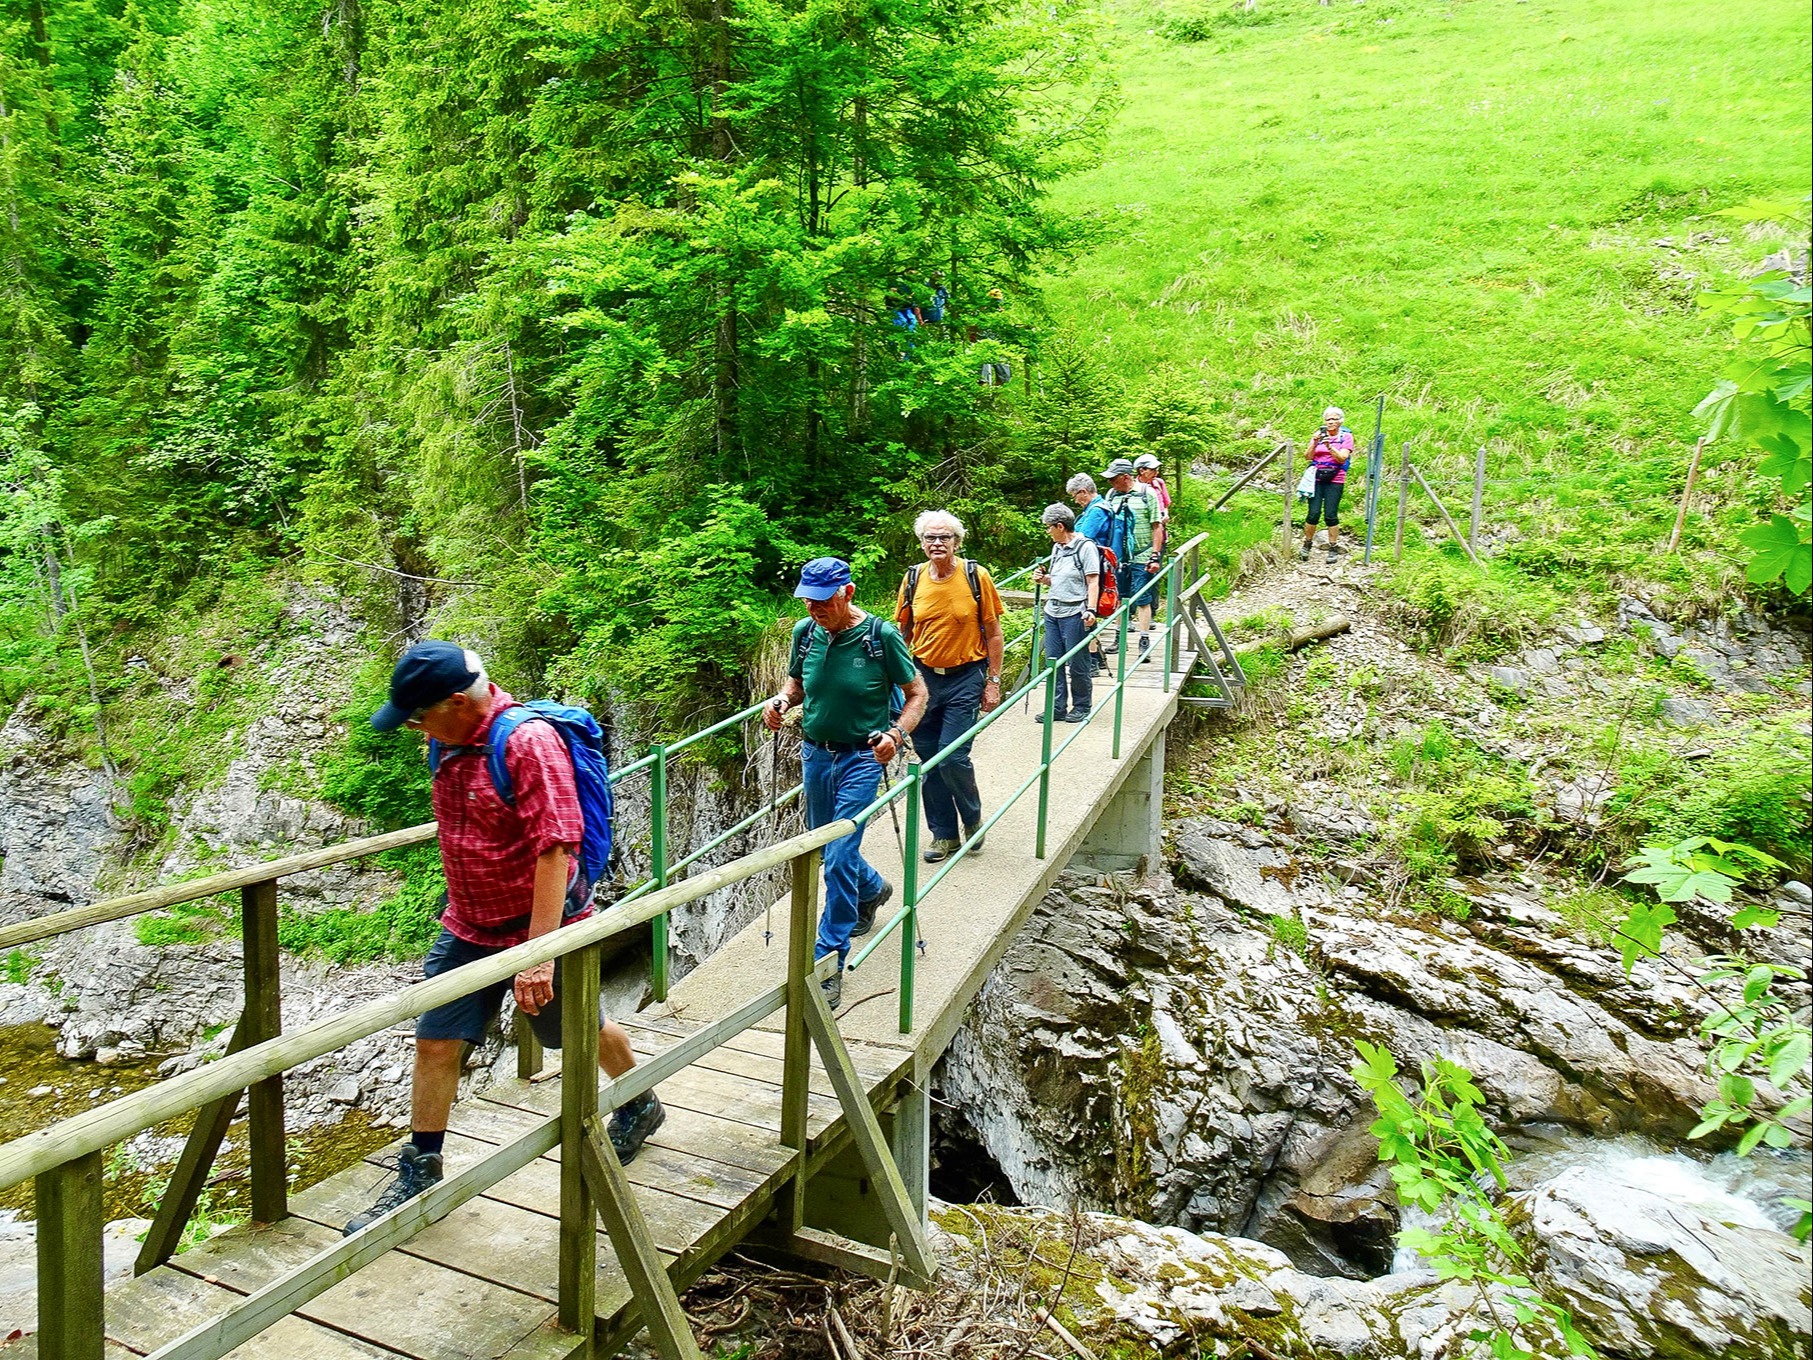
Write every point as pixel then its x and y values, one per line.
pixel 994 679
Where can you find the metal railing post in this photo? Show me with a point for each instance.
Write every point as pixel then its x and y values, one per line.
pixel 263 1018
pixel 909 882
pixel 1170 622
pixel 1120 682
pixel 657 865
pixel 1051 697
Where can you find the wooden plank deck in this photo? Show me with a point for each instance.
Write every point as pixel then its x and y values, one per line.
pixel 481 1282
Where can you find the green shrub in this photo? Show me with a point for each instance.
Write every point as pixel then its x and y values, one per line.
pixel 1448 603
pixel 1754 791
pixel 401 928
pixel 380 776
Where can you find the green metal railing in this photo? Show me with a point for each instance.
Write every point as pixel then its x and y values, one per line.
pixel 658 765
pixel 1044 673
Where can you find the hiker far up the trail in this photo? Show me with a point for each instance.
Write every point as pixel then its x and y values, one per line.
pixel 1073 582
pixel 1330 451
pixel 861 696
pixel 521 795
pixel 950 613
pixel 1138 541
pixel 1145 467
pixel 1092 523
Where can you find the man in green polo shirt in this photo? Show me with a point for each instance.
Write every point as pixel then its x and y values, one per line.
pixel 843 666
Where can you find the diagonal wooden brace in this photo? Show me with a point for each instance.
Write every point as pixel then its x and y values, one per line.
pixel 871 1143
pixel 636 1253
pixel 165 1234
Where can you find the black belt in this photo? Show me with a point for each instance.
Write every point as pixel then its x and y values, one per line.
pixel 839 748
pixel 952 670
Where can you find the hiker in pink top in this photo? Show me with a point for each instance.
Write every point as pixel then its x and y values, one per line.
pixel 1330 451
pixel 1145 468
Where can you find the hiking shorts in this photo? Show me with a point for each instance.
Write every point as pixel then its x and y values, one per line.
pixel 471 1015
pixel 1131 578
pixel 1325 501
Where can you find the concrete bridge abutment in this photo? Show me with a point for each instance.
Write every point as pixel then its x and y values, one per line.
pixel 1127 832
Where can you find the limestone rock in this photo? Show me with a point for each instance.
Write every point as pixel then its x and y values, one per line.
pixel 1677 712
pixel 1648 1275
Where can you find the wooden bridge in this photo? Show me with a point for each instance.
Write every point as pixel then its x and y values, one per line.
pixel 788 1127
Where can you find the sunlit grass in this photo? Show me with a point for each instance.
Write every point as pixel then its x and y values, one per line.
pixel 1458 205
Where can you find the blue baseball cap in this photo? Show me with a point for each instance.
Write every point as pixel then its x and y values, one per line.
pixel 821 578
pixel 428 673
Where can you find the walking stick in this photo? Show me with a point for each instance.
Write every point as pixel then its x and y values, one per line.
pixel 887 787
pixel 774 825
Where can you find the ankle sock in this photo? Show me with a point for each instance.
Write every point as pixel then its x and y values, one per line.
pixel 428 1142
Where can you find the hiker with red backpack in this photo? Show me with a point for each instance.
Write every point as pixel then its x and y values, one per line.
pixel 860 694
pixel 1073 586
pixel 950 614
pixel 523 806
pixel 1094 523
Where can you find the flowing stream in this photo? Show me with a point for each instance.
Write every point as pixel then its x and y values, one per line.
pixel 1751 1191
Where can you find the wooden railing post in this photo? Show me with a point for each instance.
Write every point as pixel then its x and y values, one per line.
pixel 71 1323
pixel 796 1061
pixel 263 1019
pixel 578 1104
pixel 528 1047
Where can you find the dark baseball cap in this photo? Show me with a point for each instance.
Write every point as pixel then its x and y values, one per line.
pixel 821 578
pixel 428 673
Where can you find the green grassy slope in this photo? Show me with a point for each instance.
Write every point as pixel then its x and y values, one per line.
pixel 1457 205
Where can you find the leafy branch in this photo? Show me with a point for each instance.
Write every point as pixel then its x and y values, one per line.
pixel 1442 1155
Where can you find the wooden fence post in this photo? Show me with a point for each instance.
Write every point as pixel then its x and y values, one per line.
pixel 578 1104
pixel 71 1323
pixel 1479 493
pixel 1447 519
pixel 1693 470
pixel 1290 487
pixel 264 1020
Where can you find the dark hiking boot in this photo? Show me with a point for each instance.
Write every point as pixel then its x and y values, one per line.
pixel 1303 553
pixel 865 911
pixel 632 1124
pixel 1039 718
pixel 416 1172
pixel 969 831
pixel 1334 554
pixel 833 988
pixel 1076 715
pixel 940 850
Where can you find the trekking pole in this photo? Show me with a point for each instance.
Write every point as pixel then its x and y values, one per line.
pixel 887 786
pixel 1032 665
pixel 774 825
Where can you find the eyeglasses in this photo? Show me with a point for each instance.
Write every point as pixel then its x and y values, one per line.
pixel 415 719
pixel 937 538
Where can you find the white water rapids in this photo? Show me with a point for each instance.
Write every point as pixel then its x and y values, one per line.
pixel 1748 1191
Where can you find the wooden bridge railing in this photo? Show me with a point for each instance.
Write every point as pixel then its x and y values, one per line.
pixel 66 1159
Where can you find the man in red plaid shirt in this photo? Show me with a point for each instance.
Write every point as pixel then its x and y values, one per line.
pixel 513 873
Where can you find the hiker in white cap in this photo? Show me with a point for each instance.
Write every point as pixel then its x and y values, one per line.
pixel 1145 467
pixel 1330 451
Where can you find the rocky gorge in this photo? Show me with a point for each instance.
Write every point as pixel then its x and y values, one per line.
pixel 1166 1054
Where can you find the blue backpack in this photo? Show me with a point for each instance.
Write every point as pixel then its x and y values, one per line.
pixel 591 775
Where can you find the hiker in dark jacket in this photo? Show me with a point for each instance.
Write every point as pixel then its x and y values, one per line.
pixel 843 668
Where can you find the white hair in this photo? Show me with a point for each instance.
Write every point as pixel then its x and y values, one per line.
pixel 1081 482
pixel 933 519
pixel 480 689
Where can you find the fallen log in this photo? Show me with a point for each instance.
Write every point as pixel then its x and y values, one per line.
pixel 1299 638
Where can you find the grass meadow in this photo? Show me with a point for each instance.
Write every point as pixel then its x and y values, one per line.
pixel 1495 212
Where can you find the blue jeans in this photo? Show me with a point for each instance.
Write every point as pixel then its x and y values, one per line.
pixel 1074 688
pixel 950 790
pixel 841 785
